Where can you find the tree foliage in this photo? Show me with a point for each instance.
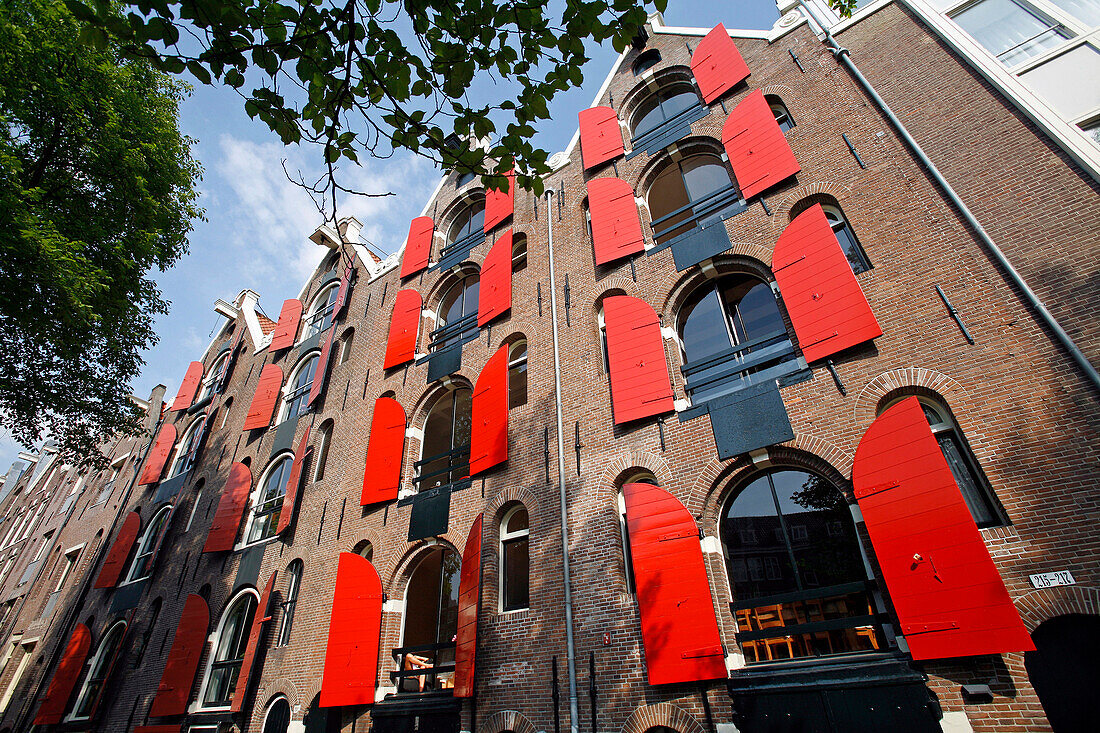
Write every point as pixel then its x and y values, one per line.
pixel 96 187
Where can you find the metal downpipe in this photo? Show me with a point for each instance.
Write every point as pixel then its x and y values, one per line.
pixel 571 652
pixel 1011 274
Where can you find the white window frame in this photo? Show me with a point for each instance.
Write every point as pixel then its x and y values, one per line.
pixel 88 667
pixel 283 638
pixel 17 677
pixel 257 493
pixel 506 537
pixel 317 305
pixel 271 706
pixel 210 382
pixel 174 469
pixel 146 545
pixel 289 388
pixel 70 557
pixel 516 362
pixel 212 640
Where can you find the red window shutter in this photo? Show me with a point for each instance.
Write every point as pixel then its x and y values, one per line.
pixel 259 619
pixel 263 401
pixel 320 374
pixel 640 385
pixel 343 293
pixel 227 518
pixel 679 628
pixel 158 455
pixel 823 298
pixel 469 601
pixel 717 64
pixel 404 325
pixel 489 414
pixel 616 227
pixel 499 205
pixel 178 677
pixel 188 387
pixel 495 292
pixel 948 595
pixel 120 552
pixel 601 136
pixel 757 149
pixel 355 625
pixel 418 247
pixel 385 449
pixel 53 706
pixel 290 317
pixel 293 482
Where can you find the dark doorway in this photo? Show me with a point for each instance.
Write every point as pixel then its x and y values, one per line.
pixel 1065 670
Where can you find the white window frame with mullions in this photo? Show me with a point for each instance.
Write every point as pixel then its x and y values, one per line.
pixel 140 566
pixel 319 316
pixel 228 653
pixel 266 500
pixel 97 673
pixel 213 377
pixel 296 390
pixel 186 448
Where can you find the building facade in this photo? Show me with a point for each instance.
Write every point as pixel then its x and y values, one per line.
pixel 739 427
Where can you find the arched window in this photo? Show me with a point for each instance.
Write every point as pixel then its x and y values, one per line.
pixel 141 566
pixel 794 560
pixel 517 374
pixel 298 386
pixel 637 477
pixel 324 440
pixel 290 600
pixel 319 316
pixel 514 560
pixel 99 668
pixel 345 345
pixel 690 193
pixel 782 115
pixel 228 651
pixel 365 550
pixel 853 250
pixel 730 330
pixel 267 500
pixel 646 61
pixel 463 178
pixel 277 717
pixel 187 448
pixel 226 406
pixel 468 226
pixel 431 622
pixel 456 319
pixel 975 488
pixel 445 451
pixel 519 253
pixel 214 376
pixel 663 106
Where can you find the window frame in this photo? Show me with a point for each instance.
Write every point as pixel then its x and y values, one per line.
pixel 839 222
pixel 718 204
pixel 187 448
pixel 518 365
pixel 295 571
pixel 257 511
pixel 459 453
pixel 664 92
pixel 97 659
pixel 271 706
pixel 464 328
pixel 321 308
pixel 510 538
pixel 251 599
pixel 292 393
pixel 146 546
pixel 214 376
pixel 775 101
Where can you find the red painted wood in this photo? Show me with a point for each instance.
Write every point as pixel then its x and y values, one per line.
pixel 469 602
pixel 418 247
pixel 601 136
pixel 355 625
pixel 385 450
pixel 120 552
pixel 286 331
pixel 158 455
pixel 948 595
pixel 756 147
pixel 495 292
pixel 823 298
pixel 640 385
pixel 174 690
pixel 188 387
pixel 616 227
pixel 65 677
pixel 259 619
pixel 404 325
pixel 679 628
pixel 489 414
pixel 343 293
pixel 231 506
pixel 111 665
pixel 265 398
pixel 293 483
pixel 320 374
pixel 717 64
pixel 500 205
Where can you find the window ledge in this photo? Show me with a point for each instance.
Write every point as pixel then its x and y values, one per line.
pixel 265 541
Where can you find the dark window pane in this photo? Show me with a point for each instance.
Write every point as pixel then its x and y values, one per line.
pixel 649 115
pixel 516 572
pixel 517 522
pixel 704 331
pixel 969 484
pixel 753 544
pixel 703 176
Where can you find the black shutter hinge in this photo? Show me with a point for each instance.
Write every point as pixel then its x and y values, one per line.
pixel 954 313
pixel 852 150
pixel 836 378
pixel 796 60
pixel 567 304
pixel 577 445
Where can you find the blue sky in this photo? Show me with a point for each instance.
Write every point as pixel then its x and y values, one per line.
pixel 257 223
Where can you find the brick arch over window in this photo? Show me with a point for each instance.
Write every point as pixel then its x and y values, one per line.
pixel 662 714
pixel 271 689
pixel 647 86
pixel 382 561
pixel 1047 603
pixel 509 720
pixel 443 285
pixel 747 259
pixel 627 462
pixel 691 145
pixel 914 380
pixel 396 581
pixel 803 196
pixel 496 507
